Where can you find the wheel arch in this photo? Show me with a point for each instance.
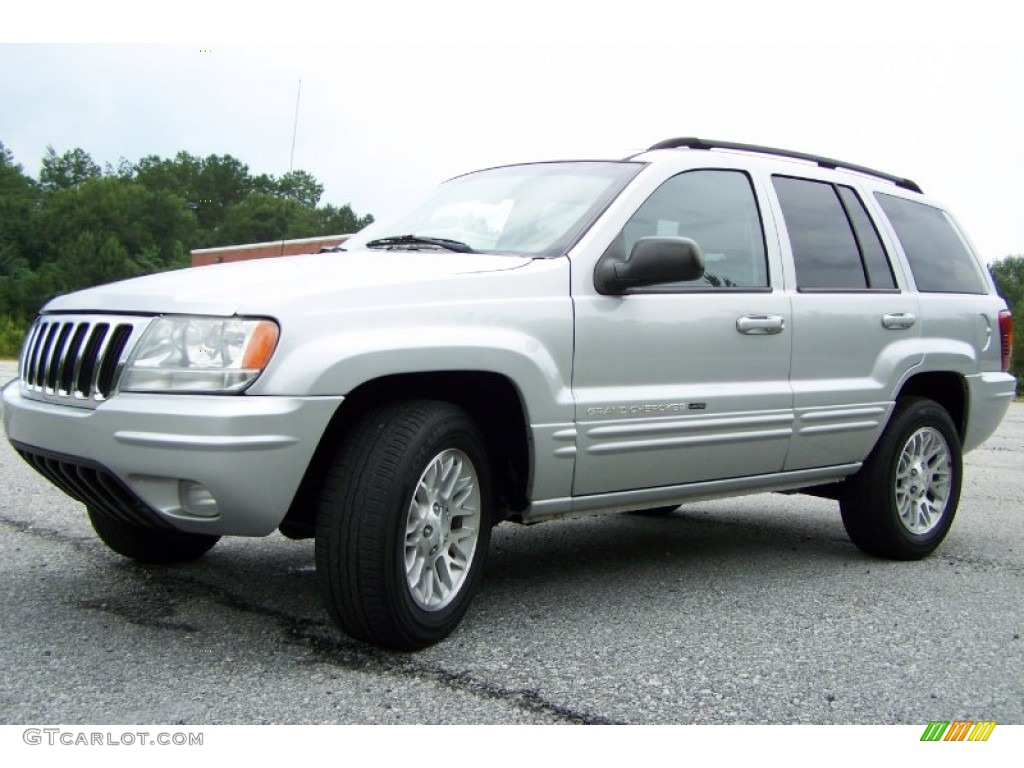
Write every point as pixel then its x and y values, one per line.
pixel 491 399
pixel 946 388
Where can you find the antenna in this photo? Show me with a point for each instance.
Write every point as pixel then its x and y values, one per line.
pixel 295 132
pixel 295 127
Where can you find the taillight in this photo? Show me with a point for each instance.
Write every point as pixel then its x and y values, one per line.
pixel 1006 337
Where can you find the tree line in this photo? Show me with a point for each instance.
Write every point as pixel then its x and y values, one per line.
pixel 79 225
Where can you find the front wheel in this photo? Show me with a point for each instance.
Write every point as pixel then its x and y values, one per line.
pixel 147 545
pixel 404 524
pixel 902 502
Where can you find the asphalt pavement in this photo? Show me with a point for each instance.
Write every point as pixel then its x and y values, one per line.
pixel 748 610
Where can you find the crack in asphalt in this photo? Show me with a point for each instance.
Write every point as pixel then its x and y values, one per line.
pixel 134 613
pixel 312 633
pixel 349 654
pixel 81 543
pixel 524 698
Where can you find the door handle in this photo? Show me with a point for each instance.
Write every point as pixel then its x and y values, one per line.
pixel 760 325
pixel 898 321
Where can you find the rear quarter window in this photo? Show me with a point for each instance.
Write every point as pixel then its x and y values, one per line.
pixel 938 256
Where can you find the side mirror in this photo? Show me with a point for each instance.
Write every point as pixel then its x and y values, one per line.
pixel 653 260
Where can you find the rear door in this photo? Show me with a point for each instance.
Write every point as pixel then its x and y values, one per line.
pixel 855 330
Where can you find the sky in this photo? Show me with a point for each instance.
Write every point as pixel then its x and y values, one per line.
pixel 386 102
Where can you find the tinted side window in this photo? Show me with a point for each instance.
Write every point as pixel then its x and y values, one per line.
pixel 876 260
pixel 938 258
pixel 824 248
pixel 715 208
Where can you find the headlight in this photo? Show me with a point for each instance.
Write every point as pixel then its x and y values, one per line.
pixel 200 354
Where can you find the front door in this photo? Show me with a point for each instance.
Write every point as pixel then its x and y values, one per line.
pixel 686 382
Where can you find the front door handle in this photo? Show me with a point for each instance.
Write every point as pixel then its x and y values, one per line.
pixel 898 321
pixel 760 325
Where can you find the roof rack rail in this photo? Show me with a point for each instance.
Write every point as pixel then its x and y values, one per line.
pixel 824 162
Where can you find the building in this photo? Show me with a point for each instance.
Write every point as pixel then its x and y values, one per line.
pixel 202 257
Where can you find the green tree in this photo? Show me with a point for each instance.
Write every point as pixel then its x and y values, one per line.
pixel 12 331
pixel 123 170
pixel 94 259
pixel 301 187
pixel 213 185
pixel 177 176
pixel 68 170
pixel 138 218
pixel 78 226
pixel 19 207
pixel 260 218
pixel 342 220
pixel 1008 275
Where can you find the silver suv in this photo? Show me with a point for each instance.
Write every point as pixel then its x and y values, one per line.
pixel 703 319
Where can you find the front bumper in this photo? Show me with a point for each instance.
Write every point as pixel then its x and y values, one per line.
pixel 249 452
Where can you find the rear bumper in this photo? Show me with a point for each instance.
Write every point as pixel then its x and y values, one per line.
pixel 249 453
pixel 990 395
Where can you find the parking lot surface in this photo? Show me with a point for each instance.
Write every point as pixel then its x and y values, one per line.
pixel 749 610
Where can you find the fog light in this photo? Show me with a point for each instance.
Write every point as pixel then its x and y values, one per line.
pixel 197 500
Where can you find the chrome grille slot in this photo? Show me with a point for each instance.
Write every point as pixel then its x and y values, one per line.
pixel 112 361
pixel 57 358
pixel 72 360
pixel 93 351
pixel 77 360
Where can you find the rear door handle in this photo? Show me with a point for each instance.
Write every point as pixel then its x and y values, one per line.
pixel 898 321
pixel 760 325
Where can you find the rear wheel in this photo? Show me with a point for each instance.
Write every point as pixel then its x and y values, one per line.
pixel 404 524
pixel 148 545
pixel 902 502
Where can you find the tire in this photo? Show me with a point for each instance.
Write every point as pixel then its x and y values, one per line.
pixel 902 502
pixel 655 512
pixel 148 545
pixel 403 524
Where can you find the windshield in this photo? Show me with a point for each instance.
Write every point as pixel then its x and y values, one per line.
pixel 537 210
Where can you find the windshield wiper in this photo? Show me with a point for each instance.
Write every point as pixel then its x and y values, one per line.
pixel 440 242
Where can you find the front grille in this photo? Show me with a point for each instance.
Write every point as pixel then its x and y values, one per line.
pixel 94 486
pixel 77 360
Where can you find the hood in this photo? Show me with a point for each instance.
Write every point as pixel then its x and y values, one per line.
pixel 264 285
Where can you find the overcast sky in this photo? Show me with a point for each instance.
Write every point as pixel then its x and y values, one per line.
pixel 399 96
